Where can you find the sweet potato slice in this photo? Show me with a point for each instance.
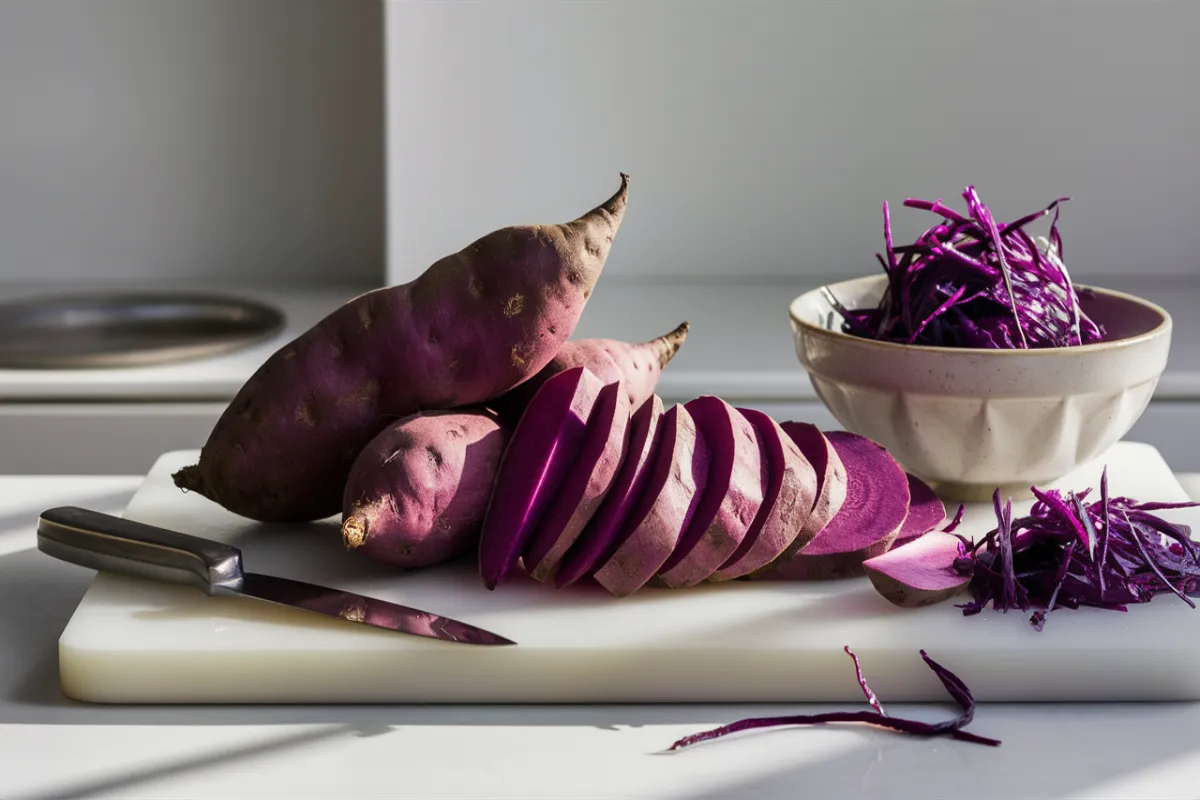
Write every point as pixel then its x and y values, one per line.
pixel 544 445
pixel 869 520
pixel 733 494
pixel 790 494
pixel 925 512
pixel 596 543
pixel 831 472
pixel 585 486
pixel 920 572
pixel 673 490
pixel 417 494
pixel 475 324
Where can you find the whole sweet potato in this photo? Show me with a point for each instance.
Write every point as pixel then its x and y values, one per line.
pixel 474 325
pixel 417 493
pixel 638 366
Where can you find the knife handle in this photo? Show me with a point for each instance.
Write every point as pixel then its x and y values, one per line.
pixel 112 544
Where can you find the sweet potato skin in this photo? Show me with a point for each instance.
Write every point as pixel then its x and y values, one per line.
pixel 783 516
pixel 417 493
pixel 639 366
pixel 585 485
pixel 920 572
pixel 592 547
pixel 842 546
pixel 733 494
pixel 651 531
pixel 475 324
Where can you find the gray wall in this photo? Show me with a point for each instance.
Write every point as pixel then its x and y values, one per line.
pixel 762 136
pixel 183 139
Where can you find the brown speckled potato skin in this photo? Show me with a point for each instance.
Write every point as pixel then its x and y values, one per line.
pixel 417 493
pixel 638 366
pixel 475 324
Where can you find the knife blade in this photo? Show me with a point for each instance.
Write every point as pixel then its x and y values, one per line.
pixel 113 544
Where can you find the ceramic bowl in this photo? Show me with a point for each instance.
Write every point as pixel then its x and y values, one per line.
pixel 970 420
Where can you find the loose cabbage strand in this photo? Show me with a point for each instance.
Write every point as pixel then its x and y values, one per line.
pixel 1068 553
pixel 953 727
pixel 972 282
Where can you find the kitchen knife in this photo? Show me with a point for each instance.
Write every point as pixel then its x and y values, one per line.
pixel 112 544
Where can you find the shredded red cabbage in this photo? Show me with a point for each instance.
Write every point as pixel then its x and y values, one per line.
pixel 878 717
pixel 971 282
pixel 1068 553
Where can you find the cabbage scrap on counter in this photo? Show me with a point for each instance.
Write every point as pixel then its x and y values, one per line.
pixel 969 281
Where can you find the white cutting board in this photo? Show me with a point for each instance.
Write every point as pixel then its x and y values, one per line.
pixel 137 642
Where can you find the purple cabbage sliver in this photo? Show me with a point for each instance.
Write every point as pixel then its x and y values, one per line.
pixel 953 727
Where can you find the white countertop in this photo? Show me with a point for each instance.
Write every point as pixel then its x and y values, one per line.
pixel 53 748
pixel 740 345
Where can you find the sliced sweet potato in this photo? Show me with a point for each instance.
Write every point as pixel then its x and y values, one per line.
pixel 542 448
pixel 598 540
pixel 417 493
pixel 831 472
pixel 585 486
pixel 733 494
pixel 790 494
pixel 673 490
pixel 920 572
pixel 871 516
pixel 925 512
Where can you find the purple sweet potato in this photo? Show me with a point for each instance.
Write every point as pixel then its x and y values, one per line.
pixel 791 492
pixel 542 448
pixel 919 573
pixel 874 510
pixel 831 472
pixel 417 493
pixel 732 496
pixel 638 365
pixel 659 517
pixel 598 540
pixel 586 484
pixel 474 325
pixel 925 512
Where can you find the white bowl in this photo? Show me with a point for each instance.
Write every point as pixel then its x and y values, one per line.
pixel 969 420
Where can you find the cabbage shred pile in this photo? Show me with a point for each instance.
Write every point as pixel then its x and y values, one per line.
pixel 972 282
pixel 1067 553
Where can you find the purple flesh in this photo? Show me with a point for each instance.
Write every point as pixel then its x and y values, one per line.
pixel 876 493
pixel 586 484
pixel 925 512
pixel 874 510
pixel 541 450
pixel 790 493
pixel 599 539
pixel 731 499
pixel 920 572
pixel 831 473
pixel 673 492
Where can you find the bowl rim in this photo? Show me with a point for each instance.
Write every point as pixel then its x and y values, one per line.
pixel 1164 326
